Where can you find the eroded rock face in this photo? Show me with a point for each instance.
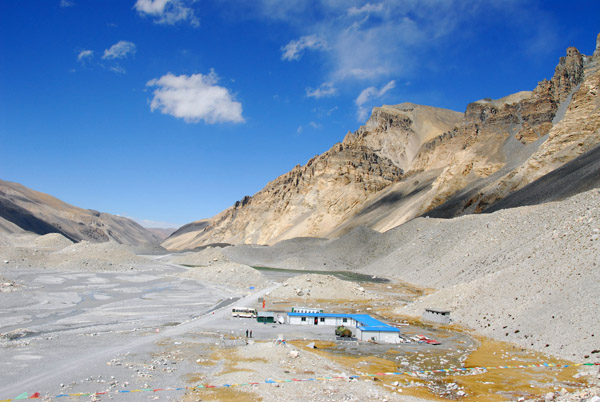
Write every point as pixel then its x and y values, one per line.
pixel 567 75
pixel 309 200
pixel 398 132
pixel 477 148
pixel 575 134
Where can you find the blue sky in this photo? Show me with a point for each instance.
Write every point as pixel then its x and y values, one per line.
pixel 168 111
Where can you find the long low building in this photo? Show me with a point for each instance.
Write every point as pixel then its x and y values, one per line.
pixel 366 328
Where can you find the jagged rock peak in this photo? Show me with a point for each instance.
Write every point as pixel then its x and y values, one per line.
pixel 568 73
pixel 597 51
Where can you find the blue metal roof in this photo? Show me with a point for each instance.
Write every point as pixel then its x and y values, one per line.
pixel 367 322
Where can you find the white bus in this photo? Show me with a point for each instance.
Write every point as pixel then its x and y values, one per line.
pixel 246 312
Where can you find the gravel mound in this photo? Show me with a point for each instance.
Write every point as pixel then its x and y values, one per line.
pixel 86 256
pixel 202 258
pixel 54 251
pixel 229 273
pixel 294 253
pixel 211 265
pixel 321 287
pixel 52 242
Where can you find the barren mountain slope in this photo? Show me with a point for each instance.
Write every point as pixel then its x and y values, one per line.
pixel 313 200
pixel 41 213
pixel 558 123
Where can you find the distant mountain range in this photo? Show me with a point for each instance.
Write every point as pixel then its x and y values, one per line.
pixel 411 160
pixel 23 209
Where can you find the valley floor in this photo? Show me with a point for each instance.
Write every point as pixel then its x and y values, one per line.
pixel 151 330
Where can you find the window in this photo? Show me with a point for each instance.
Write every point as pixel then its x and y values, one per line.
pixel 322 319
pixel 303 319
pixel 344 320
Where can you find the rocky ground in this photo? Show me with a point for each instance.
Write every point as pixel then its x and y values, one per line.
pixel 278 361
pixel 314 287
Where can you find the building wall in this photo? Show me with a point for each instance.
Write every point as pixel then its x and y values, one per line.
pixel 298 320
pixel 334 321
pixel 435 317
pixel 379 336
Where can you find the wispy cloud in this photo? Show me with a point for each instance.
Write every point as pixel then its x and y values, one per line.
pixel 367 40
pixel 368 95
pixel 111 58
pixel 294 49
pixel 85 55
pixel 117 68
pixel 168 12
pixel 312 124
pixel 194 98
pixel 326 89
pixel 119 50
pixel 366 9
pixel 66 3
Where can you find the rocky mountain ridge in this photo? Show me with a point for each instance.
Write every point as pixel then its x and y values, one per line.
pixel 409 160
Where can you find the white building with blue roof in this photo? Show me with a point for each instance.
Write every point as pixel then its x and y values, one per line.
pixel 363 326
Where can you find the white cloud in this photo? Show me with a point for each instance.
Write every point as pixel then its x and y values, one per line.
pixel 368 95
pixel 366 9
pixel 119 50
pixel 194 98
pixel 326 89
pixel 371 93
pixel 117 69
pixel 294 49
pixel 85 55
pixel 66 3
pixel 314 125
pixel 168 12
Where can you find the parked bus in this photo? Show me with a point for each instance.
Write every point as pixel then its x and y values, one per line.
pixel 246 312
